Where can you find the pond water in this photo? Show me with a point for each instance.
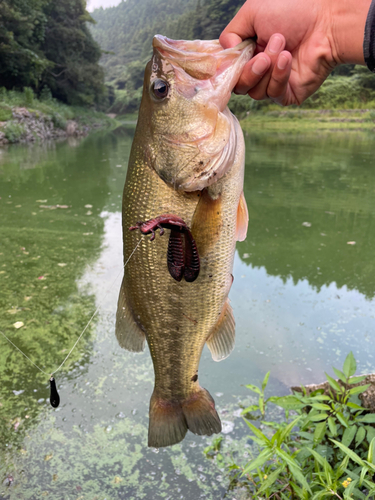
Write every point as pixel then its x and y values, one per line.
pixel 303 297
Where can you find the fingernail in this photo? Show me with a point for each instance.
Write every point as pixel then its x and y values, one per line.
pixel 282 62
pixel 275 44
pixel 260 66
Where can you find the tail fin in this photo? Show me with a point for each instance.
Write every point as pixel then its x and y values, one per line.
pixel 167 424
pixel 170 420
pixel 201 416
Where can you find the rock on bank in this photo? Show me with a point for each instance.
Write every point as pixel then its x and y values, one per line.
pixel 29 126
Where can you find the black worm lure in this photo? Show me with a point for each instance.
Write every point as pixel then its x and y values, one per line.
pixel 182 257
pixel 54 398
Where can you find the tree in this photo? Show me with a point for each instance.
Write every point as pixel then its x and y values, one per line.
pixel 48 43
pixel 22 24
pixel 75 76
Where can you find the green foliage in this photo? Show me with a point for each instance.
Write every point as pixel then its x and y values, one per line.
pixel 43 42
pixel 29 96
pixel 126 101
pixel 45 95
pixel 76 77
pixel 213 451
pixel 58 121
pixel 23 24
pixel 13 132
pixel 325 450
pixel 5 113
pixel 354 88
pixel 126 31
pixel 242 105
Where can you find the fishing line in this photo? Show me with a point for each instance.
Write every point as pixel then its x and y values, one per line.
pixel 54 395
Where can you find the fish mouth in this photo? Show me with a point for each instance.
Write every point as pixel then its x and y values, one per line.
pixel 204 70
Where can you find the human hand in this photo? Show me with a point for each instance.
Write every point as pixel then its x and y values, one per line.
pixel 298 44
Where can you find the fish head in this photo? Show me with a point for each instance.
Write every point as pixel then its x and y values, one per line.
pixel 191 140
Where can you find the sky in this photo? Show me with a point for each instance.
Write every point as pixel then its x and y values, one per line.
pixel 95 4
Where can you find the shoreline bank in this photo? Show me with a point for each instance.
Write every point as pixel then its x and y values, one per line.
pixel 26 119
pixel 303 120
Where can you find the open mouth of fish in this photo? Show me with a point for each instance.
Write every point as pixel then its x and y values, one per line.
pixel 214 69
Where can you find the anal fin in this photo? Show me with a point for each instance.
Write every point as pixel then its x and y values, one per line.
pixel 128 332
pixel 222 337
pixel 242 219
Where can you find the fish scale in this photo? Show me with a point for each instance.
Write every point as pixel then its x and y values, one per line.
pixel 177 317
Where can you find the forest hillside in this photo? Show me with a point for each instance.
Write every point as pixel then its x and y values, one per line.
pixel 125 33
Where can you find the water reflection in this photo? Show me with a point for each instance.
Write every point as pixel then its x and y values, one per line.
pixel 309 287
pixel 302 296
pixel 311 205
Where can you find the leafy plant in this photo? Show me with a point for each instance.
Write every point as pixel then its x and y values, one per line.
pixel 5 113
pixel 13 131
pixel 325 450
pixel 28 96
pixel 213 451
pixel 45 94
pixel 59 121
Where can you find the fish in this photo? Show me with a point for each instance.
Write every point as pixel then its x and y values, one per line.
pixel 184 181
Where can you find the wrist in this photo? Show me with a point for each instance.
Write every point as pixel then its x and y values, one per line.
pixel 347 27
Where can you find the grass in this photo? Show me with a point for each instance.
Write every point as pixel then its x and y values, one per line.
pixel 128 117
pixel 297 120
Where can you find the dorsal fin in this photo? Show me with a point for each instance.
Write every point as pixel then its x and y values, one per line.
pixel 128 332
pixel 242 219
pixel 221 340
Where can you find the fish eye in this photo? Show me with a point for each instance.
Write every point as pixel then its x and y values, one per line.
pixel 160 88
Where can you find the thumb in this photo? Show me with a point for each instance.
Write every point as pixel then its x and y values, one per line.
pixel 240 28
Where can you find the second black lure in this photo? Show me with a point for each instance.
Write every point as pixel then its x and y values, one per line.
pixel 54 398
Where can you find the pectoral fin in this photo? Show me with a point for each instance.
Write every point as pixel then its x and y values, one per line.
pixel 128 332
pixel 207 222
pixel 221 340
pixel 242 219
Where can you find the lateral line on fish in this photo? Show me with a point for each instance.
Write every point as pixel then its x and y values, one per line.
pixel 53 389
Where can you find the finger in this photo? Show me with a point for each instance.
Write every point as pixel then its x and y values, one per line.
pixel 229 40
pixel 275 45
pixel 252 73
pixel 279 81
pixel 240 28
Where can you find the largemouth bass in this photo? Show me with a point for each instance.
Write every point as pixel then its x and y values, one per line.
pixel 185 178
